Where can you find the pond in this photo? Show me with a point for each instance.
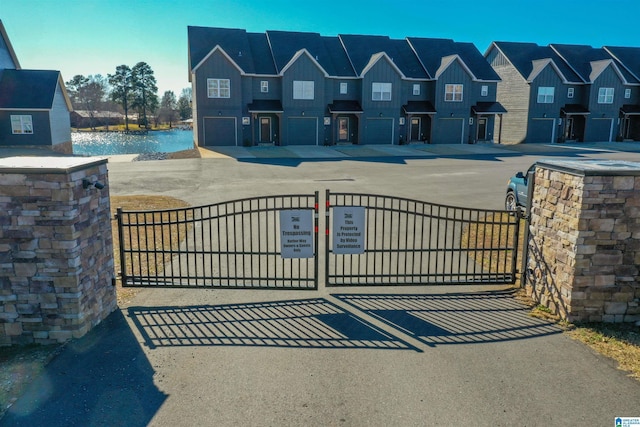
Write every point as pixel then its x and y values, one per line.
pixel 111 143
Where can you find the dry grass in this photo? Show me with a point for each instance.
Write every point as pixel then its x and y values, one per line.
pixel 146 239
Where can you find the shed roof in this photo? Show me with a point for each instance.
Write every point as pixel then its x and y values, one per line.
pixel 28 89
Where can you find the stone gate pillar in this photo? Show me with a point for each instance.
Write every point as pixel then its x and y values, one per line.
pixel 584 246
pixel 56 248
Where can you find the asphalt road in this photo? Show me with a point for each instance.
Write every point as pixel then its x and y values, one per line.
pixel 410 356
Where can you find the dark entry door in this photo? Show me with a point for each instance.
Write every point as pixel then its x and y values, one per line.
pixel 568 129
pixel 415 129
pixel 343 129
pixel 265 129
pixel 482 129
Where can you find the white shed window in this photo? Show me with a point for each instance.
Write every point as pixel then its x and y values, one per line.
pixel 381 91
pixel 343 88
pixel 546 95
pixel 303 89
pixel 21 125
pixel 453 92
pixel 264 86
pixel 218 88
pixel 605 95
pixel 416 89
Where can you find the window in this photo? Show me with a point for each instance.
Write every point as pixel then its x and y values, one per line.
pixel 264 86
pixel 381 91
pixel 453 92
pixel 627 93
pixel 416 89
pixel 545 95
pixel 343 88
pixel 21 125
pixel 218 88
pixel 570 92
pixel 484 90
pixel 303 89
pixel 605 95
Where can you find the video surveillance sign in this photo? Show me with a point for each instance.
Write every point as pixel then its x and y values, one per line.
pixel 348 229
pixel 296 233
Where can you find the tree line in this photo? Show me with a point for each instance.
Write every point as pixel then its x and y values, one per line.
pixel 129 89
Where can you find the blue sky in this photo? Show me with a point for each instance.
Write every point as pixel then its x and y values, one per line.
pixel 93 37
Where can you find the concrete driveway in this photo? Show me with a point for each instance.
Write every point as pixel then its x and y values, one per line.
pixel 409 356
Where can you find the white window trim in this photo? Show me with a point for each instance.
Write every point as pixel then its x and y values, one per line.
pixel 264 86
pixel 304 89
pixel 21 124
pixel 546 94
pixel 218 88
pixel 570 92
pixel 344 87
pixel 416 89
pixel 453 92
pixel 605 95
pixel 484 90
pixel 627 93
pixel 381 91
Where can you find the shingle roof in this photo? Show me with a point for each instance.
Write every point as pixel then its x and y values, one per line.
pixel 583 59
pixel 28 89
pixel 261 54
pixel 431 52
pixel 202 40
pixel 522 55
pixel 361 48
pixel 629 57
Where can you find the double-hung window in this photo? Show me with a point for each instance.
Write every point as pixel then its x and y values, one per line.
pixel 484 90
pixel 381 91
pixel 303 89
pixel 627 93
pixel 453 92
pixel 264 86
pixel 343 88
pixel 570 92
pixel 546 94
pixel 22 125
pixel 605 95
pixel 218 88
pixel 416 89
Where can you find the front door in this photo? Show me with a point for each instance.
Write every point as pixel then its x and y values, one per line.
pixel 415 129
pixel 568 129
pixel 482 129
pixel 265 129
pixel 343 129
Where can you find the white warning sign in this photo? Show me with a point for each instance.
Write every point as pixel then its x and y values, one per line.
pixel 348 229
pixel 296 233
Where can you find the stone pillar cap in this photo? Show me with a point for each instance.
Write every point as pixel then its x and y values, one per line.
pixel 592 167
pixel 46 164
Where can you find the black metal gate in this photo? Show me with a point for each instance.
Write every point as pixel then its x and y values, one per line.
pixel 371 240
pixel 235 244
pixel 374 240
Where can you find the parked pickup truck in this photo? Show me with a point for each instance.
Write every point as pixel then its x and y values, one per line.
pixel 517 190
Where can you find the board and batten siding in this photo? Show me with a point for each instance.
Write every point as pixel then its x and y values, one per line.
pixel 513 93
pixel 6 62
pixel 60 120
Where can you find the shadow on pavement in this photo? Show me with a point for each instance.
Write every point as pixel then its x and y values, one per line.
pixel 453 318
pixel 103 378
pixel 314 323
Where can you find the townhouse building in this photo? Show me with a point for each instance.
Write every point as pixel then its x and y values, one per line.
pixel 560 93
pixel 299 88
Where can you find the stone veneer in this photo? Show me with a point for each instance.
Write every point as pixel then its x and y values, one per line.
pixel 56 249
pixel 584 246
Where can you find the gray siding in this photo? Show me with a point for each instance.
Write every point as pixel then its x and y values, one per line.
pixel 5 57
pixel 60 120
pixel 381 72
pixel 513 93
pixel 275 88
pixel 447 126
pixel 41 131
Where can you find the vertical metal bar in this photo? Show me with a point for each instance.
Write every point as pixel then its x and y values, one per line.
pixel 516 240
pixel 316 214
pixel 123 265
pixel 327 249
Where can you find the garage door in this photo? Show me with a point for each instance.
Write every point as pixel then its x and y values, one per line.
pixel 541 131
pixel 378 131
pixel 449 131
pixel 302 131
pixel 220 131
pixel 599 130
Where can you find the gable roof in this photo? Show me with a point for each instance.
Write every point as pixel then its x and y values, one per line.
pixel 361 49
pixel 523 55
pixel 628 58
pixel 431 53
pixel 30 89
pixel 589 62
pixel 4 41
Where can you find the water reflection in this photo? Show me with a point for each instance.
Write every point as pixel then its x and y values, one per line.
pixel 110 143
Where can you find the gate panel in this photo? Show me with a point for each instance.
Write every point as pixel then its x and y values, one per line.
pixel 409 242
pixel 235 244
